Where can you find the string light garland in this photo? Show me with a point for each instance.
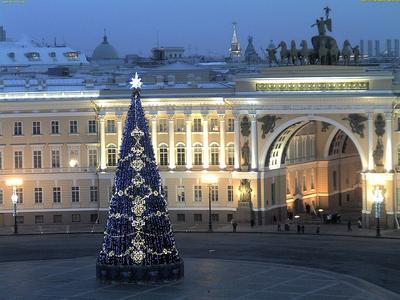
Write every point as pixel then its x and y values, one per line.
pixel 138 232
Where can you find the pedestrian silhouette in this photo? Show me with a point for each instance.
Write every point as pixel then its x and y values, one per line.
pixel 302 228
pixel 279 226
pixel 318 229
pixel 298 228
pixel 234 225
pixel 349 226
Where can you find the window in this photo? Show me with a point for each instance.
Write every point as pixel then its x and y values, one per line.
pixel 56 194
pixel 39 219
pixel 20 219
pixel 18 158
pixel 214 127
pixel 214 193
pixel 304 183
pixel 198 154
pixel 111 156
pixel 180 193
pixel 18 128
pixel 57 219
pixel 231 125
pixel 55 158
pixel 1 197
pixel 215 217
pixel 1 160
pixel 75 194
pixel 231 154
pixel 55 127
pixel 92 155
pixel 229 217
pixel 73 126
pixel 273 193
pixel 197 193
pixel 180 217
pixel 37 159
pixel 165 191
pixel 230 193
pixel 180 155
pixel 92 126
pixel 93 193
pixel 214 154
pixel 198 218
pixel 20 195
pixel 197 125
pixel 94 218
pixel 110 126
pixel 398 124
pixel 312 185
pixel 38 195
pixel 76 218
pixel 180 125
pixel 162 125
pixel 348 197
pixel 163 153
pixel 36 128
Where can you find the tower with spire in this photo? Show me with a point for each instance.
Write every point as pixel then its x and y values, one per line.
pixel 234 50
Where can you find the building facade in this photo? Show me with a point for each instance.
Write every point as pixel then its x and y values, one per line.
pixel 287 140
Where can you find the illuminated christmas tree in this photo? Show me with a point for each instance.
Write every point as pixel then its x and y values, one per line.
pixel 139 244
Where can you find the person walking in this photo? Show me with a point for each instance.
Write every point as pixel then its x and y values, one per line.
pixel 279 226
pixel 298 228
pixel 234 225
pixel 302 228
pixel 318 229
pixel 349 226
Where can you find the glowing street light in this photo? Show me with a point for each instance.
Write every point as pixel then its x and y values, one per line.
pixel 73 163
pixel 210 180
pixel 14 182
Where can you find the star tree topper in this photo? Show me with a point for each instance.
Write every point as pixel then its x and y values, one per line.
pixel 136 82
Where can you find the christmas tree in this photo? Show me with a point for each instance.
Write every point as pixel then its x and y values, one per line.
pixel 139 244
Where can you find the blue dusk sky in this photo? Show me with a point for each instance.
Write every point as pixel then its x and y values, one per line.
pixel 203 27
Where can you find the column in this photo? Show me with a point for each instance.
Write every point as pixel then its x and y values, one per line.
pixel 188 120
pixel 171 141
pixel 119 131
pixel 205 141
pixel 102 121
pixel 370 141
pixel 389 150
pixel 236 125
pixel 154 134
pixel 254 143
pixel 222 163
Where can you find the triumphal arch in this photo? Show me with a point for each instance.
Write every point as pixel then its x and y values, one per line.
pixel 319 138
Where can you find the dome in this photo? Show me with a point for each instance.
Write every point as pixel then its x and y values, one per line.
pixel 104 51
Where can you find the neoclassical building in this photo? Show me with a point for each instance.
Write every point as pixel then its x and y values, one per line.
pixel 284 141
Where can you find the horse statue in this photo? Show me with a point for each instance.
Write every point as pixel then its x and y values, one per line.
pixel 347 52
pixel 323 53
pixel 334 52
pixel 293 52
pixel 285 53
pixel 304 53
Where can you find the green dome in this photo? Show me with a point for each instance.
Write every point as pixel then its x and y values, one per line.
pixel 105 51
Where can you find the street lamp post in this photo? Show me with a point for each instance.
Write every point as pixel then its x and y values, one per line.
pixel 378 199
pixel 209 180
pixel 320 214
pixel 14 182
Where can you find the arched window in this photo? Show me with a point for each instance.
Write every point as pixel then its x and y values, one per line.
pixel 180 154
pixel 111 155
pixel 163 154
pixel 197 154
pixel 231 154
pixel 214 154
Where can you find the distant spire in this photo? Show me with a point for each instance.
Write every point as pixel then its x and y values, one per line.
pixel 234 50
pixel 105 37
